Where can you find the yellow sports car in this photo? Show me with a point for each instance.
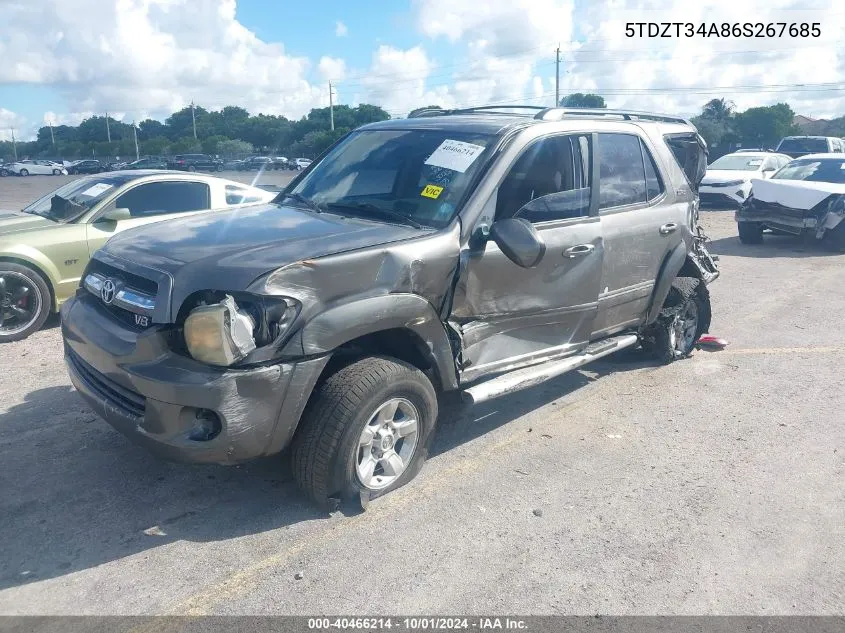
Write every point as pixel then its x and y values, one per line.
pixel 45 247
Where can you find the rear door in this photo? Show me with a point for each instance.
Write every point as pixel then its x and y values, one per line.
pixel 640 224
pixel 149 202
pixel 510 316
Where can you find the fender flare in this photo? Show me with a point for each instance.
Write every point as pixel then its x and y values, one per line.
pixel 338 325
pixel 669 269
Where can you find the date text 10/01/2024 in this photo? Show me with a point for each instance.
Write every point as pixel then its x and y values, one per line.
pixel 418 623
pixel 724 29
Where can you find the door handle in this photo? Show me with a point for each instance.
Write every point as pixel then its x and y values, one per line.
pixel 666 229
pixel 577 251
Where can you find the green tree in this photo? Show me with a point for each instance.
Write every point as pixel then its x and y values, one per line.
pixel 234 147
pixel 765 125
pixel 185 145
pixel 212 143
pixel 720 110
pixel 583 100
pixel 156 146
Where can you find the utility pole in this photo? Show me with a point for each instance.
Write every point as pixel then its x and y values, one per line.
pixel 557 76
pixel 193 120
pixel 52 138
pixel 14 145
pixel 331 105
pixel 108 132
pixel 135 132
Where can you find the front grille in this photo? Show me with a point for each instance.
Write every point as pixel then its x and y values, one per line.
pixel 716 199
pixel 146 286
pixel 125 400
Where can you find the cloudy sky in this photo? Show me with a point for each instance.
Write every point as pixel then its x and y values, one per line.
pixel 64 60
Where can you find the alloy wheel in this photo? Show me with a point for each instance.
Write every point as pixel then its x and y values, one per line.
pixel 387 443
pixel 20 302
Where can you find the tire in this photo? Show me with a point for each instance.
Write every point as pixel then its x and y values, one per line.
pixel 15 275
pixel 750 232
pixel 684 318
pixel 191 168
pixel 327 450
pixel 218 168
pixel 23 172
pixel 834 239
pixel 56 172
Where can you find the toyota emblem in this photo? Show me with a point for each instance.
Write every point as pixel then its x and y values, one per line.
pixel 108 291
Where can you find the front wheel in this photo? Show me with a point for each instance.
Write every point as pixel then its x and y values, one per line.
pixel 218 168
pixel 835 238
pixel 366 430
pixel 24 172
pixel 684 318
pixel 24 302
pixel 191 168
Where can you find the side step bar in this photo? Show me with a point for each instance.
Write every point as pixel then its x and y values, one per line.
pixel 536 374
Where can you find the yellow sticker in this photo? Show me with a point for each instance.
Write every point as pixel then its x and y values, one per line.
pixel 432 191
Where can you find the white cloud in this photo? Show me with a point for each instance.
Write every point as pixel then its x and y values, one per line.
pixel 150 57
pixel 340 29
pixel 10 120
pixel 332 68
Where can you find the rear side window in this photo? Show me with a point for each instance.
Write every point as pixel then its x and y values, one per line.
pixel 157 198
pixel 690 152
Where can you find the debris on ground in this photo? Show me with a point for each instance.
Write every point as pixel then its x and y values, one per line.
pixel 711 342
pixel 155 531
pixel 537 512
pixel 299 575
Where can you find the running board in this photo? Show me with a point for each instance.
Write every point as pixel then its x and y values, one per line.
pixel 536 374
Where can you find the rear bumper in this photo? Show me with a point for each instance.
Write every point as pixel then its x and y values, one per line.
pixel 154 396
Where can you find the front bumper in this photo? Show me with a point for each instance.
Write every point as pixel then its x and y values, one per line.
pixel 718 196
pixel 153 395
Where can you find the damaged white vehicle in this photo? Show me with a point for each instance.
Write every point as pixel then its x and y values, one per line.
pixel 806 197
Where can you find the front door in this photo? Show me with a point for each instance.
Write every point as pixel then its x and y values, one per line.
pixel 149 202
pixel 510 316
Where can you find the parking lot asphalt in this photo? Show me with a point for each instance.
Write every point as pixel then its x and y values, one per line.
pixel 713 485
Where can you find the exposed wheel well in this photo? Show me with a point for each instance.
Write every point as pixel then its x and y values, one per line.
pixel 399 343
pixel 689 270
pixel 36 269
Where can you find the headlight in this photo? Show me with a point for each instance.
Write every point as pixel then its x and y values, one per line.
pixel 219 334
pixel 223 333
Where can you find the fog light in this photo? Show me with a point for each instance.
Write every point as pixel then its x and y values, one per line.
pixel 206 426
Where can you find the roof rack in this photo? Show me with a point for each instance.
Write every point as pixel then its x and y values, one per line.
pixel 542 113
pixel 557 114
pixel 491 109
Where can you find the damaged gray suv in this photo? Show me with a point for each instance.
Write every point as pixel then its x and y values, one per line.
pixel 473 252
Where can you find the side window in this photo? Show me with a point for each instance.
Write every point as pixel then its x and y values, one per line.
pixel 621 170
pixel 240 195
pixel 653 182
pixel 549 181
pixel 157 198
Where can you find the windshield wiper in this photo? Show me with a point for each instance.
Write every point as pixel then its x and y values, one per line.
pixel 308 202
pixel 366 206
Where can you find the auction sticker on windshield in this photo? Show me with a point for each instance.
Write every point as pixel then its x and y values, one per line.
pixel 95 190
pixel 432 191
pixel 454 155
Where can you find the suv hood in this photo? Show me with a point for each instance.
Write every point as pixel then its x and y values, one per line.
pixel 229 249
pixel 12 222
pixel 727 175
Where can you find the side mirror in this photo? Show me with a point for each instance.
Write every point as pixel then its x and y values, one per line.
pixel 519 241
pixel 115 215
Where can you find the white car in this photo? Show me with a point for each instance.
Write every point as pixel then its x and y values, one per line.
pixel 37 167
pixel 302 163
pixel 727 182
pixel 807 197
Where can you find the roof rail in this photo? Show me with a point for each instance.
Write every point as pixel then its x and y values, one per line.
pixel 495 109
pixel 557 114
